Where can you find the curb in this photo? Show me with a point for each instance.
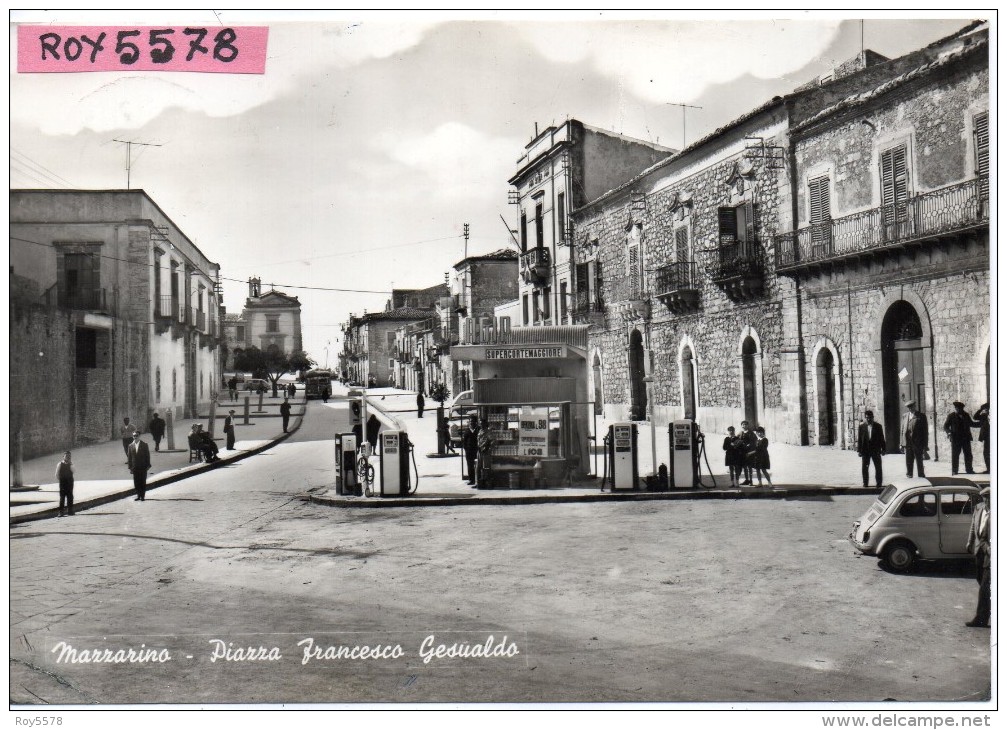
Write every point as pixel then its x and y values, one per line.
pixel 163 481
pixel 709 494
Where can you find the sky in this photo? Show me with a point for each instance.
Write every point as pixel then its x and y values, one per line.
pixel 354 161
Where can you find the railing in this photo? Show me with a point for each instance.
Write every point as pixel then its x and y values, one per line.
pixel 93 299
pixel 584 303
pixel 166 306
pixel 741 258
pixel 943 211
pixel 535 263
pixel 676 277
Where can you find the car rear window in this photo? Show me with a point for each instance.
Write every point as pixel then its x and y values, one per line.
pixel 886 496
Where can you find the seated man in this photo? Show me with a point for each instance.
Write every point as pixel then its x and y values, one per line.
pixel 193 439
pixel 206 444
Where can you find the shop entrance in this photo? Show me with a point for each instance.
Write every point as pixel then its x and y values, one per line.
pixel 902 366
pixel 825 373
pixel 638 389
pixel 748 355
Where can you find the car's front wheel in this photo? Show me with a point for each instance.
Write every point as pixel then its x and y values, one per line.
pixel 900 555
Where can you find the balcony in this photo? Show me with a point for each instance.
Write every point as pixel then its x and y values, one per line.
pixel 585 306
pixel 739 269
pixel 929 217
pixel 535 265
pixel 92 300
pixel 677 286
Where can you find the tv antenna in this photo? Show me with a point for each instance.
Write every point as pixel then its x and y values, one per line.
pixel 684 107
pixel 129 153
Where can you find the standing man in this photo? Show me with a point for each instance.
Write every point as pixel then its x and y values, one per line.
pixel 958 426
pixel 64 474
pixel 292 390
pixel 470 445
pixel 419 405
pixel 126 433
pixel 157 430
pixel 870 446
pixel 979 545
pixel 915 435
pixel 139 465
pixel 229 429
pixel 285 413
pixel 373 429
pixel 232 385
pixel 747 441
pixel 982 417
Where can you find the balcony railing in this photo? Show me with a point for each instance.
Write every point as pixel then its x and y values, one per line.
pixel 741 258
pixel 535 264
pixel 941 212
pixel 677 286
pixel 167 306
pixel 584 303
pixel 99 300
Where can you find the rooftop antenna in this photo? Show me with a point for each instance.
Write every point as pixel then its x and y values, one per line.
pixel 684 107
pixel 129 153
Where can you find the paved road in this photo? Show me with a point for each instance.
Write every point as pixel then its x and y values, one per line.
pixel 728 601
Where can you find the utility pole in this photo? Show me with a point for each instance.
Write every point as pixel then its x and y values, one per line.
pixel 465 232
pixel 129 153
pixel 684 107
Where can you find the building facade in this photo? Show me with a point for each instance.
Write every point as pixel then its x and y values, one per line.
pixel 562 168
pixel 114 313
pixel 269 319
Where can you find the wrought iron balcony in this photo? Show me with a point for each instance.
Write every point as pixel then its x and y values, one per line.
pixel 535 265
pixel 585 305
pixel 677 286
pixel 94 300
pixel 926 217
pixel 739 269
pixel 166 307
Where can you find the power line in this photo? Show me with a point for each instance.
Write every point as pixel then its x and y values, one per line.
pixel 352 253
pixel 42 168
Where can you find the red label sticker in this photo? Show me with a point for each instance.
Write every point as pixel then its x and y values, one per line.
pixel 76 48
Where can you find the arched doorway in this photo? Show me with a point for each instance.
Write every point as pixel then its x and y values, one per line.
pixel 688 366
pixel 638 389
pixel 902 365
pixel 599 405
pixel 825 375
pixel 749 352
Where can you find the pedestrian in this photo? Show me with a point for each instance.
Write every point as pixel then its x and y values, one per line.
pixel 958 426
pixel 760 459
pixel 229 429
pixel 915 434
pixel 982 417
pixel 373 429
pixel 979 545
pixel 420 402
pixel 232 386
pixel 486 445
pixel 292 390
pixel 326 392
pixel 64 475
pixel 139 465
pixel 747 441
pixel 285 413
pixel 207 444
pixel 156 429
pixel 732 456
pixel 470 445
pixel 126 434
pixel 870 446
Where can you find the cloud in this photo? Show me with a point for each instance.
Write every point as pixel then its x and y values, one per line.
pixel 670 61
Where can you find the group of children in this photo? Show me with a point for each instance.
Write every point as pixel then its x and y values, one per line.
pixel 746 452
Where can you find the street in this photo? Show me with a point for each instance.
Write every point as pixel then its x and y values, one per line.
pixel 247 593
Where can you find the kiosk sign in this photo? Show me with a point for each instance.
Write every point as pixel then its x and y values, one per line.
pixel 525 353
pixel 534 432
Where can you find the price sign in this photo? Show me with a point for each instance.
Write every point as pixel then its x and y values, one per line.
pixel 534 432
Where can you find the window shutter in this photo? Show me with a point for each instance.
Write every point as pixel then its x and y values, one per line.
pixel 982 138
pixel 596 297
pixel 583 277
pixel 749 221
pixel 894 176
pixel 728 220
pixel 633 268
pixel 820 205
pixel 682 245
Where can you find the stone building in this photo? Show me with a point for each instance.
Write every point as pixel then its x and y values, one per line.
pixel 700 271
pixel 562 168
pixel 268 319
pixel 114 313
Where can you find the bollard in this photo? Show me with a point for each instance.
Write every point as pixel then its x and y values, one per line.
pixel 260 402
pixel 246 410
pixel 16 479
pixel 169 428
pixel 213 414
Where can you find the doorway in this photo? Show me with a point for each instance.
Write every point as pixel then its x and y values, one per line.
pixel 748 381
pixel 825 374
pixel 638 389
pixel 902 364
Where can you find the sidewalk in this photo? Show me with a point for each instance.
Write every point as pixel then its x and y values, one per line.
pixel 101 473
pixel 797 471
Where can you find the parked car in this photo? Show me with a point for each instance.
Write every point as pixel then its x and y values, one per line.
pixel 457 415
pixel 255 385
pixel 910 523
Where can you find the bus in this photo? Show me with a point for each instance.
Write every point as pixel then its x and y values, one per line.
pixel 317 383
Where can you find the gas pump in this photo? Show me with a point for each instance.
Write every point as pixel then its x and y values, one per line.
pixel 622 458
pixel 685 441
pixel 396 450
pixel 346 466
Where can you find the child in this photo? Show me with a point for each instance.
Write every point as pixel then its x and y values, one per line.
pixel 64 473
pixel 733 456
pixel 761 462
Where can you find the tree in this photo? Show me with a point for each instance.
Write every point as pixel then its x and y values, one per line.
pixel 271 364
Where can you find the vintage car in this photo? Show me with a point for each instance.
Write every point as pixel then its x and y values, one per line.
pixel 917 522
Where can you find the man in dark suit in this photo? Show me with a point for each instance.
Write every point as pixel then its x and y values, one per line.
pixel 958 426
pixel 915 436
pixel 470 445
pixel 870 446
pixel 139 465
pixel 229 429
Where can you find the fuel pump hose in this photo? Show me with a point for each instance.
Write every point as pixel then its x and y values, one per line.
pixel 416 471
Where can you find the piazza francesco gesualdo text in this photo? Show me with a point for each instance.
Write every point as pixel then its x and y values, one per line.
pixel 307 650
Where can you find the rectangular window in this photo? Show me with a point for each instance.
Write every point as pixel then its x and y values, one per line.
pixel 535 305
pixel 80 280
pixel 272 324
pixel 539 229
pixel 524 309
pixel 820 213
pixel 736 224
pixel 157 281
pixel 547 302
pixel 727 219
pixel 981 129
pixel 524 232
pixel 87 348
pixel 894 184
pixel 633 270
pixel 596 297
pixel 682 245
pixel 561 217
pixel 562 302
pixel 239 334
